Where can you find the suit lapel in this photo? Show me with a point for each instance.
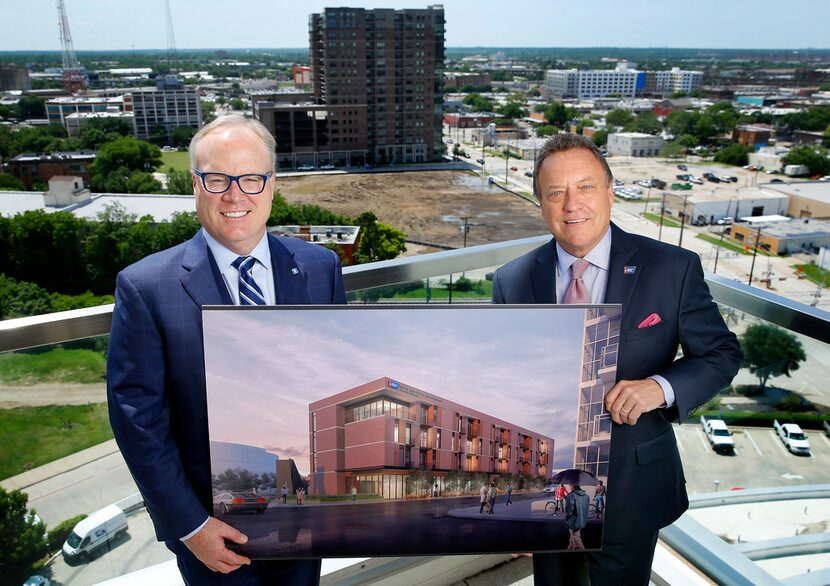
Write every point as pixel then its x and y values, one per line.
pixel 202 279
pixel 543 276
pixel 624 268
pixel 289 281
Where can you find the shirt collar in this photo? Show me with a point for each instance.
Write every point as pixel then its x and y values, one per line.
pixel 599 256
pixel 224 257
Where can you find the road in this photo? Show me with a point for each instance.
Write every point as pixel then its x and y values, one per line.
pixel 418 527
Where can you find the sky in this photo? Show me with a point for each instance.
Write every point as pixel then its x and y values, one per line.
pixel 264 367
pixel 199 24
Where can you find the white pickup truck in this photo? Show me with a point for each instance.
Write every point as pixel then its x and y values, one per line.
pixel 793 437
pixel 720 438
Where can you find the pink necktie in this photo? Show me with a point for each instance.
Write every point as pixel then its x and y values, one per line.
pixel 577 291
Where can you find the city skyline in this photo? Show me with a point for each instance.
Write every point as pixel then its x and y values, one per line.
pixel 293 358
pixel 97 26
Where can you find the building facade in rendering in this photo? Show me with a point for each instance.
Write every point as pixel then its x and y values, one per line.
pixel 374 435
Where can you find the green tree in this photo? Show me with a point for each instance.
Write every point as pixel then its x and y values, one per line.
pixel 672 150
pixel 546 130
pixel 237 104
pixel 619 117
pixel 734 154
pixel 511 110
pixel 10 183
pixel 647 123
pixel 378 241
pixel 770 351
pixel 31 107
pixel 600 137
pixel 126 152
pixel 815 157
pixel 208 112
pixel 557 114
pixel 23 539
pixel 179 182
pixel 181 135
pixel 826 137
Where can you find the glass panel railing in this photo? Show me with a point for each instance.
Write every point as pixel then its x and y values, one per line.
pixel 760 462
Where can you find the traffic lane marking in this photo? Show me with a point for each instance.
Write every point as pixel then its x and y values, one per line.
pixel 702 440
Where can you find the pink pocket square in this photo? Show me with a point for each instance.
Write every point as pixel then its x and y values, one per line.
pixel 651 320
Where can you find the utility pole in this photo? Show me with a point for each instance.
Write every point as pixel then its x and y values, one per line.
pixel 662 212
pixel 722 232
pixel 683 220
pixel 754 254
pixel 648 195
pixel 465 229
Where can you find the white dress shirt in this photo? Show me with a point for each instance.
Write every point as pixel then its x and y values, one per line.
pixel 262 273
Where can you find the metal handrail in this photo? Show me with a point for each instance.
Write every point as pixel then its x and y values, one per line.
pixel 64 326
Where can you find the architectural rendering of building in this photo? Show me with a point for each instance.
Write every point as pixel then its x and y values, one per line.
pixel 377 81
pixel 374 435
pixel 597 375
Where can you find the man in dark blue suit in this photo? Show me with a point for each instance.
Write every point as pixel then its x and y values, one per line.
pixel 666 304
pixel 155 369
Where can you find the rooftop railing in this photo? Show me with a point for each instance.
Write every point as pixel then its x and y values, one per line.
pixel 688 538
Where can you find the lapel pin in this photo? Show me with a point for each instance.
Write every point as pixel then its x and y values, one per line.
pixel 628 270
pixel 295 271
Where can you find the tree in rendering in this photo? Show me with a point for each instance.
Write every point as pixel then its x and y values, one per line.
pixel 770 351
pixel 22 536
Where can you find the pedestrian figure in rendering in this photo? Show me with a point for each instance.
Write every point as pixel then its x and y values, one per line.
pixel 559 496
pixel 599 498
pixel 507 496
pixel 492 493
pixel 284 493
pixel 576 516
pixel 666 306
pixel 155 361
pixel 483 495
pixel 354 493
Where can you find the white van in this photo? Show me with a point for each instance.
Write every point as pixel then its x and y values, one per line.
pixel 95 531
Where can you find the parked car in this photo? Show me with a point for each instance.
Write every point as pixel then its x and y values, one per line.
pixel 683 176
pixel 95 531
pixel 793 437
pixel 528 173
pixel 514 168
pixel 695 180
pixel 827 427
pixel 683 167
pixel 720 438
pixel 236 502
pixel 326 167
pixel 550 488
pixel 367 167
pixel 724 221
pixel 465 154
pixel 37 580
pixel 305 168
pixel 776 180
pixel 480 161
pixel 618 183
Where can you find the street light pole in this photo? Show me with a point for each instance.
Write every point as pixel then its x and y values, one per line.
pixel 722 232
pixel 662 212
pixel 683 221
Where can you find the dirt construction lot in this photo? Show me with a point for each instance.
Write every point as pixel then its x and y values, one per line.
pixel 428 205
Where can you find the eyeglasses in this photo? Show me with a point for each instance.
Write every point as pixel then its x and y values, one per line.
pixel 249 184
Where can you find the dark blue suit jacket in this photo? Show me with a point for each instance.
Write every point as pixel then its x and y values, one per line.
pixel 156 370
pixel 646 486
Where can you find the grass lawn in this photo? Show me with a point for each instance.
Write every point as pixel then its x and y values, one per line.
pixel 816 274
pixel 729 245
pixel 485 291
pixel 176 160
pixel 667 222
pixel 33 436
pixel 58 365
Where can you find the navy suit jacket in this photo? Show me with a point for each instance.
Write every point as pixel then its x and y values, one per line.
pixel 646 486
pixel 156 369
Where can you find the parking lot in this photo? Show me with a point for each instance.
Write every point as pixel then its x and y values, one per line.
pixel 760 460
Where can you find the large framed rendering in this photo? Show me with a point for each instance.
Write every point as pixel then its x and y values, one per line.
pixel 409 430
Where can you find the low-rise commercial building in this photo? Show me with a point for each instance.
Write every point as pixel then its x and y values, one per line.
pixel 344 238
pixel 57 109
pixel 783 237
pixel 634 144
pixel 807 199
pixel 76 121
pixel 33 168
pixel 752 134
pixel 457 81
pixel 702 208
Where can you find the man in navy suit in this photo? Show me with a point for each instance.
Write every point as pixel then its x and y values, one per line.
pixel 155 369
pixel 666 304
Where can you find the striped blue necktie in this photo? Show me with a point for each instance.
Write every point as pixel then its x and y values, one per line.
pixel 249 291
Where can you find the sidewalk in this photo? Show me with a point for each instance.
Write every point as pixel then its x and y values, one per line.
pixel 71 462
